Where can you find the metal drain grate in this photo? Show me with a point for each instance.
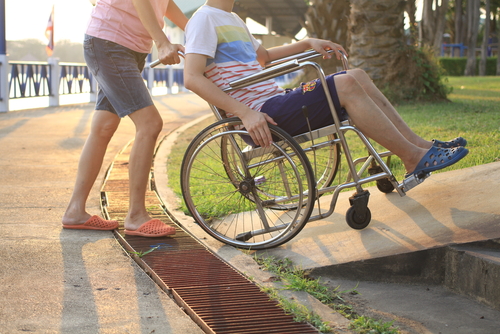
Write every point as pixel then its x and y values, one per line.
pixel 217 297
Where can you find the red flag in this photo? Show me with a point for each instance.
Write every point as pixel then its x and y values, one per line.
pixel 49 33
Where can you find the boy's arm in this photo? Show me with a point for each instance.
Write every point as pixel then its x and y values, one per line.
pixel 167 52
pixel 194 79
pixel 265 56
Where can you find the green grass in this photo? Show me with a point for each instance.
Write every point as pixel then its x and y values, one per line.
pixel 473 113
pixel 296 279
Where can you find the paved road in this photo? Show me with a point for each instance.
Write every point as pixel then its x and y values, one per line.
pixel 59 281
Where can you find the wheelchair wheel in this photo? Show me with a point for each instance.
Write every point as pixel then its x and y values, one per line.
pixel 323 155
pixel 251 198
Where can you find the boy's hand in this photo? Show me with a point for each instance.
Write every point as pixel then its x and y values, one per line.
pixel 321 46
pixel 255 123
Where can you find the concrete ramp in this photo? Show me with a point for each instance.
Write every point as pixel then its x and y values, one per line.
pixel 453 207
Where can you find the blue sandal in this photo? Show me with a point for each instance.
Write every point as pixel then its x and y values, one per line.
pixel 457 142
pixel 438 158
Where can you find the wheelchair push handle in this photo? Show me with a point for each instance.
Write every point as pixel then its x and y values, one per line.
pixel 158 62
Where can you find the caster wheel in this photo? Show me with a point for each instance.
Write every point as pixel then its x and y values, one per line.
pixel 385 186
pixel 355 221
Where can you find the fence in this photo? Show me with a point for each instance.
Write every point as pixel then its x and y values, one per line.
pixel 54 80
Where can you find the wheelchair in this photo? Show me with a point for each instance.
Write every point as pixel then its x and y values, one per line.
pixel 261 197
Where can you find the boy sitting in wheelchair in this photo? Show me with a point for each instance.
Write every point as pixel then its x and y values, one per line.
pixel 220 49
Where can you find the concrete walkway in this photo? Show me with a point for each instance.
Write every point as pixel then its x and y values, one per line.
pixel 60 281
pixel 454 207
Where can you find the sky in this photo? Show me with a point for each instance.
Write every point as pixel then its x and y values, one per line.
pixel 28 19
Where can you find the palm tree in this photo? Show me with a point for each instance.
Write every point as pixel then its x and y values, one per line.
pixel 327 19
pixel 376 31
pixel 377 44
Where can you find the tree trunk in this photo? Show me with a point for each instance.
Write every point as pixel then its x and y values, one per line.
pixel 498 59
pixel 460 28
pixel 376 33
pixel 433 23
pixel 486 37
pixel 473 28
pixel 327 19
pixel 411 9
pixel 459 22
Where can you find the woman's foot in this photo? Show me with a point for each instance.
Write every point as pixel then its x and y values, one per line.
pixel 93 223
pixel 151 229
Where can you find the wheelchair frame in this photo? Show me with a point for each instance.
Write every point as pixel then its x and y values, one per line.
pixel 271 187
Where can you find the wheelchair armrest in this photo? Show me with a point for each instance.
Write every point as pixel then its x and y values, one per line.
pixel 265 74
pixel 280 67
pixel 308 55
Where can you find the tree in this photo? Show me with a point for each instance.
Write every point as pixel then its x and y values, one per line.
pixel 376 30
pixel 377 44
pixel 327 19
pixel 433 23
pixel 472 32
pixel 34 50
pixel 460 23
pixel 486 37
pixel 411 10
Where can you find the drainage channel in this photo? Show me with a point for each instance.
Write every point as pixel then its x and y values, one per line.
pixel 216 296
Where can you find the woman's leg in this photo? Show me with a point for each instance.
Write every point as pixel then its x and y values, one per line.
pixel 148 124
pixel 387 108
pixel 104 125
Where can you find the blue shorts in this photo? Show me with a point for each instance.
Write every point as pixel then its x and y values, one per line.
pixel 117 70
pixel 286 110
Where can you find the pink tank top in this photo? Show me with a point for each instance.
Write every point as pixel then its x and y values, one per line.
pixel 117 21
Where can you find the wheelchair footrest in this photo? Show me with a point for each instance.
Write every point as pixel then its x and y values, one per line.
pixel 413 181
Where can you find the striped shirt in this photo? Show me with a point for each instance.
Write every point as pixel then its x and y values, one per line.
pixel 231 49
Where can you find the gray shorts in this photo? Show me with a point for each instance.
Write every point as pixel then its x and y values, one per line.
pixel 117 70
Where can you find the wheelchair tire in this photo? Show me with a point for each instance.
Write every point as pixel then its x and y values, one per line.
pixel 355 222
pixel 247 198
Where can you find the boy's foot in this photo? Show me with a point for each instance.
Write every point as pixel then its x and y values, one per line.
pixel 94 223
pixel 457 142
pixel 438 158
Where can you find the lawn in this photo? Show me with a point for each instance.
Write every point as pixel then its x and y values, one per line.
pixel 473 113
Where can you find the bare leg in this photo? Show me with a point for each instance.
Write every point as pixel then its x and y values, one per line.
pixel 148 125
pixel 104 125
pixel 387 108
pixel 376 124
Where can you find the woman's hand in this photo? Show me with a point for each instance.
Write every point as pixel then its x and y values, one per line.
pixel 322 46
pixel 169 53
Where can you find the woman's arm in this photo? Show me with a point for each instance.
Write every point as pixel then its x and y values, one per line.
pixel 167 52
pixel 175 15
pixel 255 122
pixel 265 56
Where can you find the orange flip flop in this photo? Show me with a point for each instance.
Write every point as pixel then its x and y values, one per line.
pixel 94 223
pixel 152 228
